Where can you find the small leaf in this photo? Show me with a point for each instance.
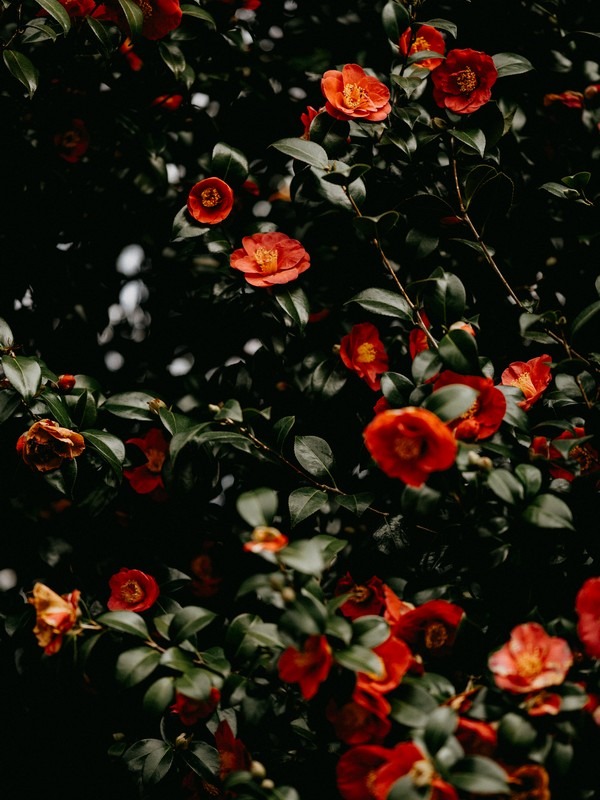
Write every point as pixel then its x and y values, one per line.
pixel 56 10
pixel 22 69
pixel 356 503
pixel 303 150
pixel 109 447
pixel 360 659
pixel 511 64
pixel 458 351
pixel 101 33
pixel 505 486
pixel 130 405
pixel 295 304
pixel 134 16
pixel 6 335
pixel 159 696
pixel 303 502
pixel 173 57
pixel 549 511
pixel 370 630
pixel 473 138
pixel 396 20
pixel 304 556
pixel 188 621
pixel 57 408
pixel 314 454
pixel 441 724
pixel 479 775
pixel 582 319
pixel 384 302
pixel 184 227
pixel 126 622
pixel 157 764
pixel 282 428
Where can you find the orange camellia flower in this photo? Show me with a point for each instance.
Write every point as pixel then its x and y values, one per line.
pixel 190 711
pixel 484 417
pixel 531 377
pixel 132 590
pixel 352 94
pixel 133 60
pixel 530 660
pixel 264 538
pixel 587 606
pixel 147 477
pixel 362 350
pixel 410 443
pixel 210 201
pixel 267 259
pixel 46 445
pixel 72 142
pixel 431 628
pixel 463 82
pixel 55 615
pixel 308 667
pixel 424 38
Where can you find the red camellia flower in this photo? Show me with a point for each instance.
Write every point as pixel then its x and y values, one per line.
pixel 55 615
pixel 584 456
pixel 531 377
pixel 132 590
pixel 267 259
pixel 365 598
pixel 410 443
pixel 160 16
pixel 72 142
pixel 45 446
pixel 417 338
pixel 483 419
pixel 431 628
pixel 265 539
pixel 308 667
pixel 206 581
pixel 424 38
pixel 396 658
pixel 65 382
pixel 363 719
pixel 352 94
pixel 233 754
pixel 190 711
pixel 587 606
pixel 476 737
pixel 463 82
pixel 147 477
pixel 133 60
pixel 568 99
pixel 210 201
pixel 306 120
pixel 362 350
pixel 530 660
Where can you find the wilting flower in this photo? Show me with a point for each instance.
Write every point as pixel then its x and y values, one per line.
pixel 352 94
pixel 72 142
pixel 55 615
pixel 410 443
pixel 431 628
pixel 424 38
pixel 583 455
pixel 210 201
pixel 233 754
pixel 267 259
pixel 587 606
pixel 463 82
pixel 531 377
pixel 147 477
pixel 530 660
pixel 170 102
pixel 132 590
pixel 483 419
pixel 306 119
pixel 365 598
pixel 568 99
pixel 265 539
pixel 190 711
pixel 362 350
pixel 46 445
pixel 308 667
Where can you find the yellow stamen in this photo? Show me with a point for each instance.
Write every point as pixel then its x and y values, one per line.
pixel 436 635
pixel 420 43
pixel 529 664
pixel 366 353
pixel 407 449
pixel 146 7
pixel 471 412
pixel 525 384
pixel 132 592
pixel 210 198
pixel 466 80
pixel 266 260
pixel 354 95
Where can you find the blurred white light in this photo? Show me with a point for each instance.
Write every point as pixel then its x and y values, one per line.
pixel 130 260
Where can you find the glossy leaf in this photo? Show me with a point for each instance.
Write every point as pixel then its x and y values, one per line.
pixel 22 69
pixel 24 374
pixel 315 455
pixel 134 666
pixel 304 502
pixel 258 506
pixel 303 150
pixel 188 622
pixel 125 622
pixel 111 449
pixel 57 11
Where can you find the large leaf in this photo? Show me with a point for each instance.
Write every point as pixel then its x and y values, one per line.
pixel 383 302
pixel 480 775
pixel 585 316
pixel 134 16
pixel 111 449
pixel 315 455
pixel 295 304
pixel 304 555
pixel 229 163
pixel 134 666
pixel 56 10
pixel 360 659
pixel 458 351
pixel 24 374
pixel 450 402
pixel 126 622
pixel 303 502
pixel 511 64
pixel 258 506
pixel 303 150
pixel 549 511
pixel 57 408
pixel 130 405
pixel 22 69
pixel 188 621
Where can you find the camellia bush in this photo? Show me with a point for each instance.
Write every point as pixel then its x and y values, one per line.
pixel 299 402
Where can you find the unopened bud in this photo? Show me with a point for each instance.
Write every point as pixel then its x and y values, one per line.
pixel 439 124
pixel 267 784
pixel 156 404
pixel 214 409
pixel 65 383
pixel 335 349
pixel 182 741
pixel 257 770
pixel 288 595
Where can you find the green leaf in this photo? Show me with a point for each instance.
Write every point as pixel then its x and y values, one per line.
pixel 195 684
pixel 516 733
pixel 328 378
pixel 258 507
pixel 111 449
pixel 7 339
pixel 126 622
pixel 159 696
pixel 177 659
pixel 185 227
pixel 102 35
pixel 305 556
pixel 582 319
pixel 549 511
pixel 57 11
pixel 530 477
pixel 282 428
pixel 360 659
pixel 157 764
pixel 458 351
pixel 370 630
pixel 395 19
pixel 134 16
pixel 441 724
pixel 203 759
pixel 232 410
pixel 505 486
pixel 188 621
pixel 22 69
pixel 229 163
pixel 384 302
pixel 303 502
pixel 577 181
pixel 57 407
pixel 396 388
pixel 480 775
pixel 174 423
pixel 315 455
pixel 9 402
pixel 473 138
pixel 356 503
pixel 559 190
pixel 443 25
pixel 86 410
pixel 172 56
pixel 447 297
pixel 511 64
pixel 199 13
pixel 450 402
pixel 135 754
pixel 24 374
pixel 412 705
pixel 134 666
pixel 130 405
pixel 303 150
pixel 295 304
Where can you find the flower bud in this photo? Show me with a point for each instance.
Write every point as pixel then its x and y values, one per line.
pixel 65 383
pixel 257 770
pixel 267 784
pixel 288 595
pixel 156 404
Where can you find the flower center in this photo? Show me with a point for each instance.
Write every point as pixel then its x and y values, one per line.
pixel 421 773
pixel 583 456
pixel 407 449
pixel 146 7
pixel 71 139
pixel 354 95
pixel 420 43
pixel 360 594
pixel 366 353
pixel 132 592
pixel 156 459
pixel 370 783
pixel 529 664
pixel 210 197
pixel 525 384
pixel 436 635
pixel 471 412
pixel 266 260
pixel 466 80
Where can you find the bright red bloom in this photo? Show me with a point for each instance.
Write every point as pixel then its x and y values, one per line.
pixel 587 606
pixel 65 382
pixel 267 259
pixel 232 752
pixel 191 711
pixel 463 82
pixel 431 628
pixel 55 616
pixel 132 590
pixel 308 667
pixel 160 16
pixel 530 660
pixel 417 338
pixel 362 350
pixel 210 201
pixel 584 456
pixel 531 377
pixel 476 737
pixel 568 99
pixel 365 598
pixel 410 443
pixel 352 94
pixel 306 120
pixel 396 657
pixel 72 142
pixel 424 38
pixel 171 102
pixel 356 770
pixel 483 419
pixel 264 538
pixel 362 720
pixel 147 477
